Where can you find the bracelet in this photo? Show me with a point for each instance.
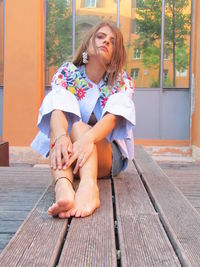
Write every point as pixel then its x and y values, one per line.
pixel 62 177
pixel 53 144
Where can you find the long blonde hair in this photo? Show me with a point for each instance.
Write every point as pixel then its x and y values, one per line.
pixel 115 67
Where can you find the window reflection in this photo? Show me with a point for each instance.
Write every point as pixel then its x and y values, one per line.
pixel 89 13
pixel 177 43
pixel 58 35
pixel 1 42
pixel 142 20
pixel 140 23
pixel 90 3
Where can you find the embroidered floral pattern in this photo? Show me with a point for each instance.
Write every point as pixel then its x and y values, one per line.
pixel 74 80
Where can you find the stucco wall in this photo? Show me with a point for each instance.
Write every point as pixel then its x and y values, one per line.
pixel 23 69
pixel 195 129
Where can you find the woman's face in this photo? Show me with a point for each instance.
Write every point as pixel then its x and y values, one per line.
pixel 104 41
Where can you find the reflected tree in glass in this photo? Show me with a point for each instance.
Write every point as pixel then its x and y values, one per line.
pixel 58 32
pixel 148 25
pixel 177 27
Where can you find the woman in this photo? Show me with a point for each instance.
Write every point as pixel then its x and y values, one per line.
pixel 87 119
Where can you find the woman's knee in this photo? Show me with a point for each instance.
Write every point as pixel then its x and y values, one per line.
pixel 78 129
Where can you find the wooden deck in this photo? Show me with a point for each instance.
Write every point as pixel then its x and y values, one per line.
pixel 144 219
pixel 186 176
pixel 20 189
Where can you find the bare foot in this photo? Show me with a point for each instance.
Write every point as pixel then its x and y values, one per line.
pixel 64 198
pixel 86 200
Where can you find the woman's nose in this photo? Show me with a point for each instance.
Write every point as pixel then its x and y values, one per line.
pixel 106 41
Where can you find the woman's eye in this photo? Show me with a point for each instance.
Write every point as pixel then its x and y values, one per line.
pixel 100 36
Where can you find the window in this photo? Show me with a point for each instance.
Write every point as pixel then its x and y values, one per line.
pixel 135 73
pixel 165 74
pixel 133 26
pixel 133 3
pixel 177 43
pixel 181 73
pixel 90 3
pixel 137 53
pixel 86 19
pixel 166 55
pixel 58 36
pixel 141 28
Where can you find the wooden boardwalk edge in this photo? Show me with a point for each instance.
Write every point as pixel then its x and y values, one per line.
pixel 141 234
pixel 179 218
pixel 163 218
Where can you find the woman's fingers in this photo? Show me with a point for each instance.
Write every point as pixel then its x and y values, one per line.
pixel 65 159
pixel 58 158
pixel 53 160
pixel 60 153
pixel 70 148
pixel 78 162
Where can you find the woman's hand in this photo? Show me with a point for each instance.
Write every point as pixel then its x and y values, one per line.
pixel 60 153
pixel 82 149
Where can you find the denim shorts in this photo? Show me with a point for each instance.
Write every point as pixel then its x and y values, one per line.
pixel 117 159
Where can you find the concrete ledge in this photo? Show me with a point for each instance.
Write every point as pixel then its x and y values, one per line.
pixel 196 153
pixel 25 155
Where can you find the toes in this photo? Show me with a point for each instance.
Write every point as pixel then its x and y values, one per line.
pixel 87 212
pixel 68 214
pixel 78 213
pixel 52 209
pixel 62 215
pixel 73 212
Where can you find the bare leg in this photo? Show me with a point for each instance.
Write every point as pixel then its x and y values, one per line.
pixel 87 195
pixel 64 193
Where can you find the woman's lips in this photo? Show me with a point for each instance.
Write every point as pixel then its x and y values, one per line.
pixel 103 48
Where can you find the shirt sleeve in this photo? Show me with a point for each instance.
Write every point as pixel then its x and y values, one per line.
pixel 61 97
pixel 122 104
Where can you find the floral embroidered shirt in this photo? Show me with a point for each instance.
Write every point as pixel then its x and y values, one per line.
pixel 77 96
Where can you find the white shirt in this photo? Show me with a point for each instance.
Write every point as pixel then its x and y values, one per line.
pixel 77 96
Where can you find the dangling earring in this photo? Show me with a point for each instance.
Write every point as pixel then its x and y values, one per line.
pixel 106 77
pixel 85 57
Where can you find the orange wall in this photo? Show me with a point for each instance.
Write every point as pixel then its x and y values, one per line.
pixel 1 42
pixel 23 69
pixel 195 131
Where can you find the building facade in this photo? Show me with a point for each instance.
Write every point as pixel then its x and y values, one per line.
pixel 165 67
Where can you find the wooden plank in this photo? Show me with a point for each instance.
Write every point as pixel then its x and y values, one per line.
pixel 181 220
pixel 143 242
pixel 38 240
pixel 90 241
pixel 186 176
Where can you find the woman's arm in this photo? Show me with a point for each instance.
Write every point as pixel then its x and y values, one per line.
pixel 83 147
pixel 58 123
pixel 103 127
pixel 62 146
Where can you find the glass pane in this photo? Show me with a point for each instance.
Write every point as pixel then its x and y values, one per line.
pixel 177 43
pixel 1 42
pixel 140 23
pixel 89 13
pixel 58 35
